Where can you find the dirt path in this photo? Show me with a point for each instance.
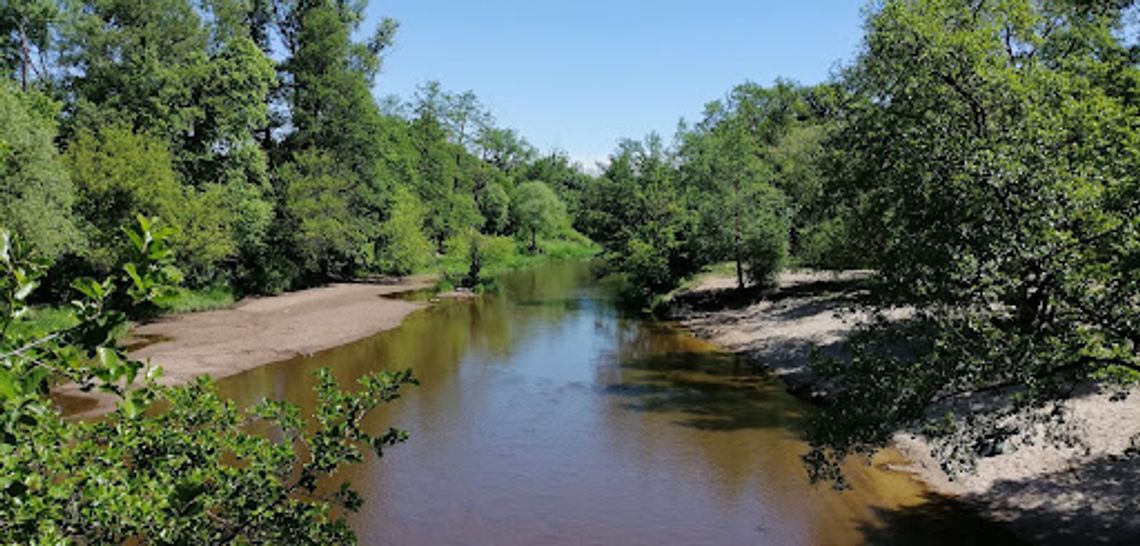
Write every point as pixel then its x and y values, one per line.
pixel 258 331
pixel 1048 494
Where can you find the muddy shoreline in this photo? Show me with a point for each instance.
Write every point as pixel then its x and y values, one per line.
pixel 256 332
pixel 1045 493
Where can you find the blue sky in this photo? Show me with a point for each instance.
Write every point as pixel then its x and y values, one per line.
pixel 579 75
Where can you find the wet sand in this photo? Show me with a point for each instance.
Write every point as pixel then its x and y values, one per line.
pixel 1048 493
pixel 257 331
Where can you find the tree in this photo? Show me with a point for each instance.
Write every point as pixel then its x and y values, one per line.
pixel 446 182
pixel 169 464
pixel 644 219
pixel 26 31
pixel 504 148
pixel 403 248
pixel 992 155
pixel 537 210
pixel 120 174
pixel 561 174
pixel 316 191
pixel 495 206
pixel 727 161
pixel 36 194
pixel 135 63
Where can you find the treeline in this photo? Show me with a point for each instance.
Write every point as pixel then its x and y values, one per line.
pixel 983 156
pixel 745 184
pixel 251 129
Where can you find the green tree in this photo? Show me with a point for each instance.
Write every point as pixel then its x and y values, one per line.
pixel 26 39
pixel 321 226
pixel 120 174
pixel 644 219
pixel 537 210
pixel 36 195
pixel 138 63
pixel 446 181
pixel 403 248
pixel 993 157
pixel 728 161
pixel 495 206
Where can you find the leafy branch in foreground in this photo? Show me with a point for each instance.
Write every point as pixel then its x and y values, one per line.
pixel 169 465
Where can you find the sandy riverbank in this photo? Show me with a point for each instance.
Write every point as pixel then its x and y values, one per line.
pixel 1048 494
pixel 258 331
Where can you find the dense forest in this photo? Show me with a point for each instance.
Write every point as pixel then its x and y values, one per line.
pixel 982 156
pixel 250 128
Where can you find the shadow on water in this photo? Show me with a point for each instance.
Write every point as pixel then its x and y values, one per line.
pixel 711 391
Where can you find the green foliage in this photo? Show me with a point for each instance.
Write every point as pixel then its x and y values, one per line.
pixel 731 160
pixel 204 299
pixel 120 174
pixel 170 464
pixel 42 321
pixel 642 216
pixel 316 192
pixel 403 248
pixel 991 153
pixel 764 236
pixel 36 195
pixel 537 211
pixel 25 38
pixel 495 206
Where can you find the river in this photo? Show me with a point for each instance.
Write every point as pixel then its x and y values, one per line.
pixel 548 416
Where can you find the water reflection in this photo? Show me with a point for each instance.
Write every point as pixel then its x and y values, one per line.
pixel 546 417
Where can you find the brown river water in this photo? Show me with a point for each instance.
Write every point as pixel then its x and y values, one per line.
pixel 548 416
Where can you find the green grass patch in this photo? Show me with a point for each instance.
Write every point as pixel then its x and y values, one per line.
pixel 504 254
pixel 202 299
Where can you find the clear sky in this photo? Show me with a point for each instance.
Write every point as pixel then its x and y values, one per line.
pixel 579 75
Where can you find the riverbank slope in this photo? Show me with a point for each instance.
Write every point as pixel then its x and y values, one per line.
pixel 1048 494
pixel 258 331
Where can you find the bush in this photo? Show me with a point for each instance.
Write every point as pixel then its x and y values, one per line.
pixel 403 247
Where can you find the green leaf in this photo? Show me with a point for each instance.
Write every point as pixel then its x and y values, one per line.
pixel 8 388
pixel 132 272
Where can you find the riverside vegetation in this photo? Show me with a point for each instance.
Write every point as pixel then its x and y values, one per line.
pixel 980 155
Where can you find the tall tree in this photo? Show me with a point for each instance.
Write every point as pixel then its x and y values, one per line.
pixel 26 39
pixel 727 160
pixel 537 210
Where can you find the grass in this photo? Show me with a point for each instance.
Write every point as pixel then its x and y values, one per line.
pixel 505 254
pixel 202 299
